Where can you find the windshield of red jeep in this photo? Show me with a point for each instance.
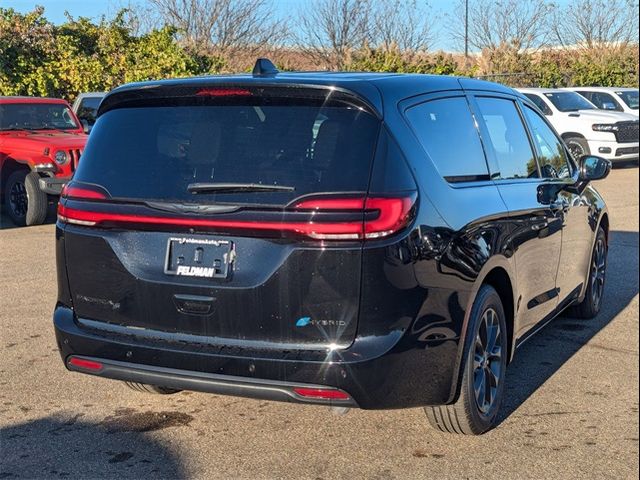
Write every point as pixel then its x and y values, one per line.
pixel 36 116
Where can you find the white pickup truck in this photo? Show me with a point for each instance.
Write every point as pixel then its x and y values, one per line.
pixel 586 129
pixel 610 98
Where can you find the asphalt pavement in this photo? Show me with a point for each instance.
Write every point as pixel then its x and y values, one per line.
pixel 571 406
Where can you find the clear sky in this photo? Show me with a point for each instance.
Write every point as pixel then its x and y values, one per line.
pixel 54 10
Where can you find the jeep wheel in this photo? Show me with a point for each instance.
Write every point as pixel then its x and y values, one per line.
pixel 485 363
pixel 26 204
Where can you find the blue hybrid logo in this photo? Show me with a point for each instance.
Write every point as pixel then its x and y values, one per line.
pixel 303 321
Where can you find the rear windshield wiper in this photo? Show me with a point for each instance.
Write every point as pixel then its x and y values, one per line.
pixel 236 188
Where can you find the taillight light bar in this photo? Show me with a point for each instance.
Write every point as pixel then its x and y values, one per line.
pixel 375 217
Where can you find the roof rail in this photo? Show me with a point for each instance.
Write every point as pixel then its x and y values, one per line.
pixel 264 67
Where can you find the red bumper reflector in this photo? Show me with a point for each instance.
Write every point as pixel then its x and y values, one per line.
pixel 85 364
pixel 328 394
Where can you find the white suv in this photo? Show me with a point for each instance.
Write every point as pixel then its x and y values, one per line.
pixel 610 98
pixel 586 129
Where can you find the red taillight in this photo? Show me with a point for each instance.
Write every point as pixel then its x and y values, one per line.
pixel 85 364
pixel 331 204
pixel 72 191
pixel 368 218
pixel 223 92
pixel 322 393
pixel 392 215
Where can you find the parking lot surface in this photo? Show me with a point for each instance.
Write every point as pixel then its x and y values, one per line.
pixel 571 406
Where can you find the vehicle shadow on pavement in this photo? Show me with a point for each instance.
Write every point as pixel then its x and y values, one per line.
pixel 64 446
pixel 545 353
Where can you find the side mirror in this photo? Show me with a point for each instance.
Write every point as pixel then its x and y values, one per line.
pixel 86 128
pixel 593 168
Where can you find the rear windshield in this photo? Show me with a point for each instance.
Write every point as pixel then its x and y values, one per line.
pixel 156 152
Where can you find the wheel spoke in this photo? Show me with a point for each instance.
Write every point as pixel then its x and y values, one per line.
pixel 479 385
pixel 493 373
pixel 487 390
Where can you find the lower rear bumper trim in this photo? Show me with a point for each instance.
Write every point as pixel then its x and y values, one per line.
pixel 207 382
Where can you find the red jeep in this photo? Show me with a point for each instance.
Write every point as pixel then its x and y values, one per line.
pixel 41 141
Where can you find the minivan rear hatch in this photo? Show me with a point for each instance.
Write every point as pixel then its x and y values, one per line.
pixel 226 214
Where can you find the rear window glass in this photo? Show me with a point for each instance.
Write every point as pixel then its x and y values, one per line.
pixel 156 152
pixel 447 132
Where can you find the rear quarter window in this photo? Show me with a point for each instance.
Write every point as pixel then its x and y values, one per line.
pixel 447 132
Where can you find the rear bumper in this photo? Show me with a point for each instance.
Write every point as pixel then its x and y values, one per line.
pixel 376 372
pixel 53 185
pixel 208 382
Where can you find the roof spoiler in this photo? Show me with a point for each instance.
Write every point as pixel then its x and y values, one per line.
pixel 264 68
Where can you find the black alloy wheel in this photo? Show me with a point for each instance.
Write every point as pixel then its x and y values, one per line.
pixel 487 361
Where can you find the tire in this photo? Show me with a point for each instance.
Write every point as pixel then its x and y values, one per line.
pixel 592 302
pixel 146 388
pixel 25 203
pixel 578 147
pixel 474 414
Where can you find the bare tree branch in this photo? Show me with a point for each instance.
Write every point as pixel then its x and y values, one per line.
pixel 404 24
pixel 594 23
pixel 519 24
pixel 330 31
pixel 223 27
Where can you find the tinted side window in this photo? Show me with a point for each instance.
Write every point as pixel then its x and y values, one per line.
pixel 508 138
pixel 552 155
pixel 605 101
pixel 88 108
pixel 539 102
pixel 447 132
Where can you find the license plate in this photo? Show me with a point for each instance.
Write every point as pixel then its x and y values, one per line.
pixel 195 257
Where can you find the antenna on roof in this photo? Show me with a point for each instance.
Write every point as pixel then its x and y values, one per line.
pixel 264 67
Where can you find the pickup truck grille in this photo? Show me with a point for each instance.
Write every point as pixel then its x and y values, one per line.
pixel 75 158
pixel 627 132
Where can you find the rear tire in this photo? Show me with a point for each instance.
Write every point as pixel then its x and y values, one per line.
pixel 590 306
pixel 155 389
pixel 484 367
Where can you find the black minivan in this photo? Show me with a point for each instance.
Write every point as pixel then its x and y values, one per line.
pixel 345 239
